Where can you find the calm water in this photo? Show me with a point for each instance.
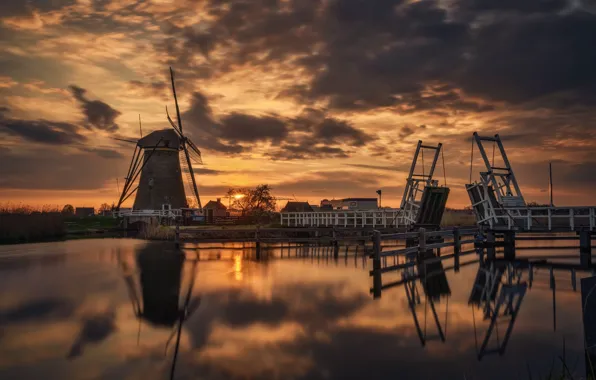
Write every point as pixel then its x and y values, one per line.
pixel 105 309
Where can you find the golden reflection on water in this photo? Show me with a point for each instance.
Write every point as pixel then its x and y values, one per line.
pixel 238 266
pixel 274 319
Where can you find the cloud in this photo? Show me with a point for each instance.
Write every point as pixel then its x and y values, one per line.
pixel 236 127
pixel 55 169
pixel 98 114
pixel 104 152
pixel 95 329
pixel 41 131
pixel 529 6
pixel 306 149
pixel 156 88
pixel 310 135
pixel 336 131
pixel 205 171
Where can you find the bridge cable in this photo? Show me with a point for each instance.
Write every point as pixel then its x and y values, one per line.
pixel 422 162
pixel 444 174
pixel 494 143
pixel 471 160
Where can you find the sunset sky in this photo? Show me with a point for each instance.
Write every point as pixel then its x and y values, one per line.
pixel 319 99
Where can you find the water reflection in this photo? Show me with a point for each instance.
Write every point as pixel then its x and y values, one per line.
pixel 499 299
pixel 127 309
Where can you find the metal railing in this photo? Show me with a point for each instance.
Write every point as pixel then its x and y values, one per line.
pixel 543 218
pixel 347 218
pixel 173 213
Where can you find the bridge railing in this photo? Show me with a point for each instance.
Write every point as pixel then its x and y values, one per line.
pixel 346 218
pixel 174 213
pixel 545 218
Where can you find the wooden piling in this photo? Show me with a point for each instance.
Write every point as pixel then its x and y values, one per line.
pixel 177 236
pixel 509 245
pixel 585 248
pixel 335 244
pixel 589 321
pixel 257 244
pixel 491 252
pixel 377 281
pixel 456 249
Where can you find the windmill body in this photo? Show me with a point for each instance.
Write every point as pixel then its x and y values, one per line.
pixel 160 183
pixel 157 160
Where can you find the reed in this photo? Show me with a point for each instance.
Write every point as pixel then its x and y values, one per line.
pixel 157 232
pixel 24 228
pixel 458 218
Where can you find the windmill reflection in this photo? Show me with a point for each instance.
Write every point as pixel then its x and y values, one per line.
pixel 433 280
pixel 159 303
pixel 498 291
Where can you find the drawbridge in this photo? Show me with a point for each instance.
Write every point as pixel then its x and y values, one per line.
pixel 498 203
pixel 423 202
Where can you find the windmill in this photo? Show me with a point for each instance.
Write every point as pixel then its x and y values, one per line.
pixel 155 288
pixel 160 159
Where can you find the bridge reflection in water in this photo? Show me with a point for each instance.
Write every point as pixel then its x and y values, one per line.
pixel 119 308
pixel 496 294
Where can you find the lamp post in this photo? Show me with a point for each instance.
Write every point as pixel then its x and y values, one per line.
pixel 380 192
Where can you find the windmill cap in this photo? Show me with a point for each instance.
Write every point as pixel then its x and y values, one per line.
pixel 169 139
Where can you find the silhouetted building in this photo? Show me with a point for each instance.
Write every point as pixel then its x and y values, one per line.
pixel 297 207
pixel 360 203
pixel 214 209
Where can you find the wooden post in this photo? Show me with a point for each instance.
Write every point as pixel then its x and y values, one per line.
pixel 257 243
pixel 456 249
pixel 177 236
pixel 588 302
pixel 421 242
pixel 335 244
pixel 490 248
pixel 509 242
pixel 585 248
pixel 377 281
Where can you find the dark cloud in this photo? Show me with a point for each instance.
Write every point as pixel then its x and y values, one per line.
pixel 157 88
pixel 306 149
pixel 43 168
pixel 42 309
pixel 236 127
pixel 337 131
pixel 95 329
pixel 98 114
pixel 527 6
pixel 336 183
pixel 205 171
pixel 27 8
pixel 376 167
pixel 508 60
pixel 104 152
pixel 41 131
pixel 409 56
pixel 311 135
pixel 406 131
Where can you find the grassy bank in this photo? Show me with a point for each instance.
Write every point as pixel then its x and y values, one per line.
pixel 90 224
pixel 24 228
pixel 21 223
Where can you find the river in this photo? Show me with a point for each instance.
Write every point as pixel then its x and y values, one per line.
pixel 106 308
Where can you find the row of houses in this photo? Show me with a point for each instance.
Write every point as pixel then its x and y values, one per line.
pixel 334 204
